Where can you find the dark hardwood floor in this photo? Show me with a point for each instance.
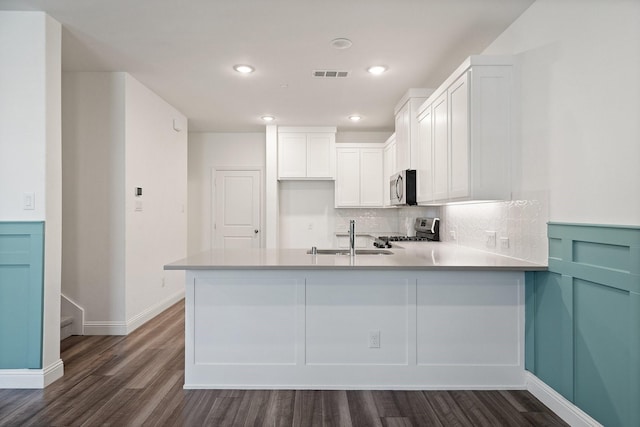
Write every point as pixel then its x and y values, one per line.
pixel 137 380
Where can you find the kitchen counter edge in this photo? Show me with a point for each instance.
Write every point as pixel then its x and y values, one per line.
pixel 429 257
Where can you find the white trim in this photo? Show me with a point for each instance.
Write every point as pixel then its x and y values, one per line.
pixel 140 319
pixel 566 410
pixel 31 378
pixel 107 327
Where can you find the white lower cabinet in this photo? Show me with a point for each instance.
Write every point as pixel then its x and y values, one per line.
pixel 359 171
pixel 354 328
pixel 466 134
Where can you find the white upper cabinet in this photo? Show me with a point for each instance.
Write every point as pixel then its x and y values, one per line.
pixel 347 177
pixel 371 170
pixel 440 153
pixel 458 97
pixel 424 172
pixel 388 168
pixel 292 155
pixel 359 172
pixel 407 128
pixel 466 134
pixel 306 153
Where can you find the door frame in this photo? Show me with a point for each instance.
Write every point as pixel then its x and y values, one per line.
pixel 213 193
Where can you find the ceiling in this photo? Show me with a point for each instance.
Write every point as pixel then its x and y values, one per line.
pixel 185 52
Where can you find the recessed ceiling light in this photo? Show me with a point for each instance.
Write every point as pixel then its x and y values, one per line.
pixel 244 69
pixel 268 118
pixel 341 43
pixel 377 69
pixel 355 118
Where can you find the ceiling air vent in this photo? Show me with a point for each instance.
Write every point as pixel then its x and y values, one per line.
pixel 330 74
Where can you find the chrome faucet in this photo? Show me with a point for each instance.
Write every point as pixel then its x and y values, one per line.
pixel 352 237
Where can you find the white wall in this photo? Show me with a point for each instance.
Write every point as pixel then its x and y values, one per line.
pixel 156 160
pixel 30 58
pixel 580 62
pixel 307 215
pixel 119 135
pixel 93 263
pixel 207 152
pixel 23 79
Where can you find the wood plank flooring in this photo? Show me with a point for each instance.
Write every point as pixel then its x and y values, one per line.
pixel 137 380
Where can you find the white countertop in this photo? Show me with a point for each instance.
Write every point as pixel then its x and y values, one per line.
pixel 406 256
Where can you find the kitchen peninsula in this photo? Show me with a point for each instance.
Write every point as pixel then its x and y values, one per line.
pixel 427 316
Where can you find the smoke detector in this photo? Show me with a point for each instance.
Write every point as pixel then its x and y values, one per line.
pixel 341 43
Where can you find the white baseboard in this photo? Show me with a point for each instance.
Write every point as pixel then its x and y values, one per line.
pixel 566 410
pixel 125 328
pixel 31 378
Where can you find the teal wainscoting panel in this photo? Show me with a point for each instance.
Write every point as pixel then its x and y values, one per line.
pixel 529 321
pixel 553 313
pixel 21 294
pixel 602 359
pixel 586 320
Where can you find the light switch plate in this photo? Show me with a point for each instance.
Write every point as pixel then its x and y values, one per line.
pixel 28 201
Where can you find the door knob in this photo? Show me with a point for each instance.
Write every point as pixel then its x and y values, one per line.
pixel 255 231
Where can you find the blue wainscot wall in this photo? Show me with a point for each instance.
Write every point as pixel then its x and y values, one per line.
pixel 583 320
pixel 21 292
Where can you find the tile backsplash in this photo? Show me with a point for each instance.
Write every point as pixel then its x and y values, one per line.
pixel 381 221
pixel 523 222
pixel 308 218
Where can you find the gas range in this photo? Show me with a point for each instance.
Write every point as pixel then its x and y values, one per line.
pixel 384 241
pixel 427 230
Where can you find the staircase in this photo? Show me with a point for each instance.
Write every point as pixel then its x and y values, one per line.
pixel 66 327
pixel 71 318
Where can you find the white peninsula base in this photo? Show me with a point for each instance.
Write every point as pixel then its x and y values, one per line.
pixel 312 329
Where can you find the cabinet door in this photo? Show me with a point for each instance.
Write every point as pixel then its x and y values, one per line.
pixel 459 138
pixel 371 185
pixel 389 168
pixel 320 155
pixel 347 177
pixel 292 155
pixel 424 157
pixel 440 148
pixel 403 150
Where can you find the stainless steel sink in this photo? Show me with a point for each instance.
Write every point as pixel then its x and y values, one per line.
pixel 358 252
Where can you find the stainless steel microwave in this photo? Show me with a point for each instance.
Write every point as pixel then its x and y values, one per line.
pixel 402 188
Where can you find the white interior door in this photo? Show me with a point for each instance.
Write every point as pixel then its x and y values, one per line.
pixel 237 209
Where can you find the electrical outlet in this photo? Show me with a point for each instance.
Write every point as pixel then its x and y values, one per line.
pixel 491 238
pixel 374 338
pixel 162 283
pixel 452 234
pixel 504 243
